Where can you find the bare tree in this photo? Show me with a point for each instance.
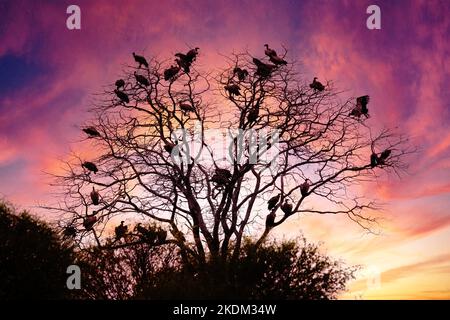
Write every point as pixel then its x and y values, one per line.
pixel 161 158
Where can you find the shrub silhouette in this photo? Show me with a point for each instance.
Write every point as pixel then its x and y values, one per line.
pixel 33 260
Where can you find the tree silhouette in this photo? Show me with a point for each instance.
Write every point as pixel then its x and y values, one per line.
pixel 33 260
pixel 285 270
pixel 160 157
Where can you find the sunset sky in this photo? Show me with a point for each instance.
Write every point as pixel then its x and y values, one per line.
pixel 48 75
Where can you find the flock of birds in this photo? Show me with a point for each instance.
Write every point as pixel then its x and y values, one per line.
pixel 221 177
pixel 287 207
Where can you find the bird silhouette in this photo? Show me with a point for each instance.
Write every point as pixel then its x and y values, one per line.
pixel 90 166
pixel 287 207
pixel 120 83
pixel 170 73
pixel 122 96
pixel 186 107
pixel 316 85
pixel 233 89
pixel 91 131
pixel 141 79
pixel 269 52
pixel 304 188
pixel 273 201
pixel 95 197
pixel 141 60
pixel 121 230
pixel 241 73
pixel 88 222
pixel 253 114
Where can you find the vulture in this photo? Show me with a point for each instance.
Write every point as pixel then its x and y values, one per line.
pixel 90 166
pixel 89 222
pixel 147 235
pixel 169 147
pixel 183 64
pixel 276 60
pixel 373 160
pixel 191 55
pixel 383 156
pixel 170 73
pixel 253 114
pixel 91 131
pixel 233 89
pixel 141 60
pixel 122 96
pixel 120 83
pixel 121 230
pixel 141 79
pixel 273 201
pixel 356 112
pixel 287 207
pixel 304 188
pixel 269 52
pixel 361 104
pixel 183 57
pixel 186 107
pixel 270 219
pixel 95 197
pixel 316 85
pixel 263 69
pixel 69 232
pixel 241 73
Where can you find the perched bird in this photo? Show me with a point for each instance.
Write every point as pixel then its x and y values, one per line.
pixel 304 188
pixel 89 222
pixel 361 104
pixel 69 232
pixel 90 166
pixel 373 160
pixel 316 85
pixel 287 207
pixel 122 96
pixel 253 114
pixel 141 79
pixel 95 197
pixel 91 131
pixel 277 60
pixel 270 219
pixel 141 60
pixel 356 112
pixel 183 57
pixel 186 107
pixel 169 147
pixel 233 89
pixel 273 201
pixel 269 52
pixel 183 64
pixel 170 73
pixel 121 230
pixel 147 235
pixel 383 156
pixel 241 73
pixel 263 69
pixel 191 55
pixel 120 83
